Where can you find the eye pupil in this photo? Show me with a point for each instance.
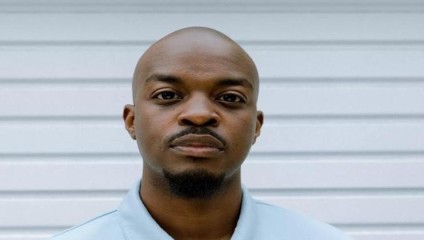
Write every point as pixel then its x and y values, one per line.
pixel 168 95
pixel 230 98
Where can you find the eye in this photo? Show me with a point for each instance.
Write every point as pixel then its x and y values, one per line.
pixel 231 98
pixel 167 95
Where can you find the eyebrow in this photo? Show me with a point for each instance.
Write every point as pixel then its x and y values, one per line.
pixel 221 82
pixel 235 82
pixel 164 78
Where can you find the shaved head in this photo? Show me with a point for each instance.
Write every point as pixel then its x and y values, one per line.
pixel 194 114
pixel 194 42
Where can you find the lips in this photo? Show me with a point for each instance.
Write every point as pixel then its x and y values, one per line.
pixel 196 145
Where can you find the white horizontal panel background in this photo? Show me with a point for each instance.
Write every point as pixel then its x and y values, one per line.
pixel 299 62
pixel 283 98
pixel 57 137
pixel 285 6
pixel 291 27
pixel 296 174
pixel 342 92
pixel 64 212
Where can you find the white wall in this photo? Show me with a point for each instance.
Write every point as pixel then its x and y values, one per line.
pixel 342 90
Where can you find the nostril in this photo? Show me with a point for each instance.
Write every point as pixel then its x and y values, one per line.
pixel 209 122
pixel 187 122
pixel 212 122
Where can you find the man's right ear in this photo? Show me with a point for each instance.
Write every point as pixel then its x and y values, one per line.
pixel 129 116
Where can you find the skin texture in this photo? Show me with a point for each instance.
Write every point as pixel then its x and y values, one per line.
pixel 191 80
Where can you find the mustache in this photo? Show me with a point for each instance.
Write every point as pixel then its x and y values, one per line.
pixel 198 131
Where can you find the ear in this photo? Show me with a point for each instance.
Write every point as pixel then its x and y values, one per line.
pixel 259 123
pixel 129 116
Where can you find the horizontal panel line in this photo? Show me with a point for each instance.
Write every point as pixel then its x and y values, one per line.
pixel 94 194
pixel 267 7
pixel 72 155
pixel 30 231
pixel 340 192
pixel 398 227
pixel 4 229
pixel 392 227
pixel 63 194
pixel 292 80
pixel 334 43
pixel 77 43
pixel 270 118
pixel 64 118
pixel 135 158
pixel 366 81
pixel 69 159
pixel 345 117
pixel 336 154
pixel 279 154
pixel 66 81
pixel 246 43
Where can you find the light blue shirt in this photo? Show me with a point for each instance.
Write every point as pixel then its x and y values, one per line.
pixel 257 220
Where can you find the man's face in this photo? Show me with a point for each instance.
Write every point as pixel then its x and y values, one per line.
pixel 195 108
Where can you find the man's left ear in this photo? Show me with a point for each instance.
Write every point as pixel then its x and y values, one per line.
pixel 259 123
pixel 129 116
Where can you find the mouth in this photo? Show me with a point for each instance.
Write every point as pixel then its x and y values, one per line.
pixel 197 145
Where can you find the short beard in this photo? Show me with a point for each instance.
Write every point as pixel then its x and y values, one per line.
pixel 196 184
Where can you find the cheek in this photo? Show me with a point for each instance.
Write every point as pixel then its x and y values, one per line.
pixel 152 128
pixel 242 133
pixel 149 140
pixel 145 130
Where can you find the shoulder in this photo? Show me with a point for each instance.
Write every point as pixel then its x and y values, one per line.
pixel 103 227
pixel 292 225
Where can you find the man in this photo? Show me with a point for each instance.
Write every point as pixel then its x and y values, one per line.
pixel 194 118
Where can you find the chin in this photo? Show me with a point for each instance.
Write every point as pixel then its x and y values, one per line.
pixel 194 184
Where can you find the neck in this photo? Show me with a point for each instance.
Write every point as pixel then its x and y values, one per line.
pixel 182 218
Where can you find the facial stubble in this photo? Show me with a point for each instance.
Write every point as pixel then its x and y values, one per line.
pixel 194 184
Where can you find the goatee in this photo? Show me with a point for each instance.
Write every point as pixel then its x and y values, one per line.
pixel 199 184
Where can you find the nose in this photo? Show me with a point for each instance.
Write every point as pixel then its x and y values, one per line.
pixel 199 111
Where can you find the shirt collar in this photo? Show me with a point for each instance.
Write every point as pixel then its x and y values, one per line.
pixel 137 223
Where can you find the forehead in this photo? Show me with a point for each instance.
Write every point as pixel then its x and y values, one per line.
pixel 197 57
pixel 199 65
